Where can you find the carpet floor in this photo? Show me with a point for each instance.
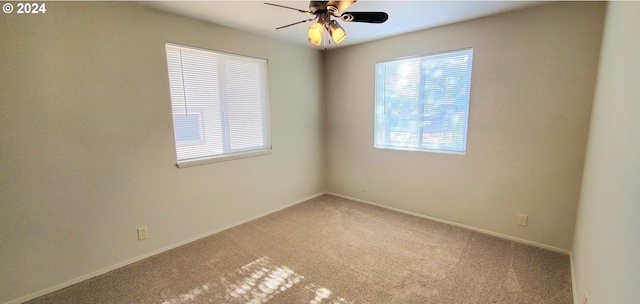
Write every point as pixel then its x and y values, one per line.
pixel 333 250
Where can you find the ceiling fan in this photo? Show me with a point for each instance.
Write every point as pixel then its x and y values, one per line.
pixel 324 10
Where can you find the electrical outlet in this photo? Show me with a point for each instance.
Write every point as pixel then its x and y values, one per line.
pixel 142 233
pixel 522 220
pixel 363 187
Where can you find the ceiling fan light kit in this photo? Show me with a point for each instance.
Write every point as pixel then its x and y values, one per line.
pixel 316 32
pixel 336 31
pixel 324 10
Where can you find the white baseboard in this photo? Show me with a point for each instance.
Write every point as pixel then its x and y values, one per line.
pixel 573 280
pixel 195 238
pixel 500 235
pixel 150 254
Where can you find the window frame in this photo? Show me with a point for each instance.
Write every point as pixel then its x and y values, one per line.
pixel 265 149
pixel 380 106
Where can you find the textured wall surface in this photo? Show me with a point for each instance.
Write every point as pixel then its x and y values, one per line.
pixel 606 248
pixel 87 150
pixel 532 88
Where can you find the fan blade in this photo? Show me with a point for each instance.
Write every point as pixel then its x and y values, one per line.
pixel 291 8
pixel 370 17
pixel 337 6
pixel 288 25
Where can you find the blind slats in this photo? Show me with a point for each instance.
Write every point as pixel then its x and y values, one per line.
pixel 219 102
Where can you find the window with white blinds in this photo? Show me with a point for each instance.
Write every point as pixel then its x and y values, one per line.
pixel 422 103
pixel 219 103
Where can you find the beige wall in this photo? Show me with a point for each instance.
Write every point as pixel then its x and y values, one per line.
pixel 532 87
pixel 606 248
pixel 86 147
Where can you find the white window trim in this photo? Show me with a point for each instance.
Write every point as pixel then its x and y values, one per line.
pixel 417 149
pixel 221 158
pixel 234 155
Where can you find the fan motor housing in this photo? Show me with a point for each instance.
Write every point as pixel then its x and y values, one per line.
pixel 317 6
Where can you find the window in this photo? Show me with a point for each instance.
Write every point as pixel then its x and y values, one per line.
pixel 422 103
pixel 219 103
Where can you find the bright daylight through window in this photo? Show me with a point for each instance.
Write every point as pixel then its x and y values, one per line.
pixel 219 103
pixel 422 103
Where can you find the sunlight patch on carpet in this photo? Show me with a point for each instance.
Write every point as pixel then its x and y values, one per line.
pixel 261 281
pixel 323 295
pixel 257 282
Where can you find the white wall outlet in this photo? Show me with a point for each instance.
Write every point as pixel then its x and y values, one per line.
pixel 522 220
pixel 363 187
pixel 142 233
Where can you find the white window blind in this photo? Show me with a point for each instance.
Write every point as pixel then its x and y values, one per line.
pixel 219 103
pixel 422 103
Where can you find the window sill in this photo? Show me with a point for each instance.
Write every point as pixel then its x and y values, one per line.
pixel 400 148
pixel 221 158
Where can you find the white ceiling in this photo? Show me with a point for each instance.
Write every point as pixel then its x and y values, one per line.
pixel 404 16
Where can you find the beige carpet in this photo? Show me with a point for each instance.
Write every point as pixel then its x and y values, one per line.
pixel 332 250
